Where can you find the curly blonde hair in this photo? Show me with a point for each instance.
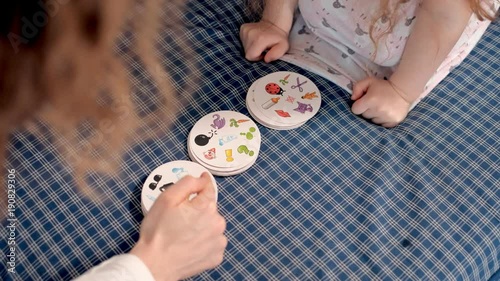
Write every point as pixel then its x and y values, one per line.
pixel 61 66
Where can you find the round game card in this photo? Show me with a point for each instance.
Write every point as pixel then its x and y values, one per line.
pixel 166 175
pixel 284 100
pixel 259 117
pixel 224 142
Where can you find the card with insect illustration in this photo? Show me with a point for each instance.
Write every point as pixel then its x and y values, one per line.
pixel 259 117
pixel 286 98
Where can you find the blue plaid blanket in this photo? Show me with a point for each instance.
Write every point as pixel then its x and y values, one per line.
pixel 336 199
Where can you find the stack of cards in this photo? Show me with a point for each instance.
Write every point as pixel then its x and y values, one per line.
pixel 283 100
pixel 166 175
pixel 225 142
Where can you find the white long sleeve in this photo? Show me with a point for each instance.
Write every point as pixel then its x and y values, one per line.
pixel 125 267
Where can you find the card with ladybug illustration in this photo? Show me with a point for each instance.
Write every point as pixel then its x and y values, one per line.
pixel 258 116
pixel 224 142
pixel 166 175
pixel 286 98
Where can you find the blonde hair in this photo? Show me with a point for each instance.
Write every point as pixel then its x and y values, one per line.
pixel 61 66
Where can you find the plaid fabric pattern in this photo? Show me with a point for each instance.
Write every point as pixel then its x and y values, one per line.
pixel 336 199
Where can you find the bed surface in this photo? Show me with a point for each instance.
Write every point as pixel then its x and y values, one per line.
pixel 336 199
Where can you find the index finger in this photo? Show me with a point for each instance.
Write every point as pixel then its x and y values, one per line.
pixel 181 190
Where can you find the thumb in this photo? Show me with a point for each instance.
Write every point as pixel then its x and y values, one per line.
pixel 276 51
pixel 360 88
pixel 180 191
pixel 207 193
pixel 360 106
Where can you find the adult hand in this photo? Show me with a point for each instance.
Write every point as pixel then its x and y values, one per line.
pixel 261 36
pixel 380 101
pixel 180 238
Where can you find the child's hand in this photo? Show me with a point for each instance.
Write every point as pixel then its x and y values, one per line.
pixel 379 101
pixel 261 36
